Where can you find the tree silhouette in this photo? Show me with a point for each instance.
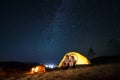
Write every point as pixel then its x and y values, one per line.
pixel 91 53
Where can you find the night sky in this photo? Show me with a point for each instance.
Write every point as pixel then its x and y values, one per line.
pixel 44 30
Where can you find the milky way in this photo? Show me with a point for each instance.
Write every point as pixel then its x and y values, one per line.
pixel 43 31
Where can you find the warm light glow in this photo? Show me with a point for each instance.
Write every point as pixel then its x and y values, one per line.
pixel 33 69
pixel 38 69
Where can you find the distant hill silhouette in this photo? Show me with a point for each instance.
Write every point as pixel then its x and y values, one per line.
pixel 105 59
pixel 16 67
pixel 15 64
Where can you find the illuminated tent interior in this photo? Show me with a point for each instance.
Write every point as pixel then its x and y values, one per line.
pixel 80 59
pixel 38 69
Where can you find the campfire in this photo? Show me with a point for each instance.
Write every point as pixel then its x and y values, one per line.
pixel 38 69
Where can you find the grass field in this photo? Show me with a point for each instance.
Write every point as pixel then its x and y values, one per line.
pixel 96 72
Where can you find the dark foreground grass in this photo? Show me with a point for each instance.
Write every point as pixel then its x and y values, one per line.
pixel 96 72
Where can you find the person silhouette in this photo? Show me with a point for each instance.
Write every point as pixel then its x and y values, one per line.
pixel 72 62
pixel 66 61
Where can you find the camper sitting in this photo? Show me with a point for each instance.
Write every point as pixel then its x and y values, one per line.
pixel 65 63
pixel 72 62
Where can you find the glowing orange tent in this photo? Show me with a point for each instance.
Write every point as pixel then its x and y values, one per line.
pixel 80 59
pixel 38 69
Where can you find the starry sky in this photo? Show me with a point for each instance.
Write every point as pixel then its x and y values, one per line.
pixel 44 30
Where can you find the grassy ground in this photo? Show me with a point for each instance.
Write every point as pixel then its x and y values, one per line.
pixel 97 72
